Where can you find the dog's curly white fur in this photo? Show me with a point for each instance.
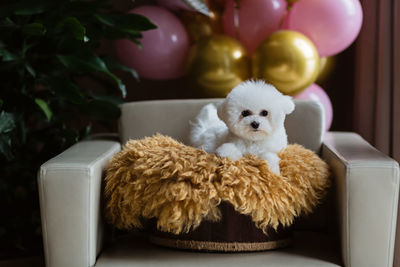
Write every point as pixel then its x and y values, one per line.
pixel 250 120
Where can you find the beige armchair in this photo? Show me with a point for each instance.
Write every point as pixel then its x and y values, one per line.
pixel 365 197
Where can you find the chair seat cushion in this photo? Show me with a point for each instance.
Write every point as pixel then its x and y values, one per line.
pixel 181 186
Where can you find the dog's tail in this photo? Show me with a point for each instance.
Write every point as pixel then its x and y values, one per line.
pixel 206 127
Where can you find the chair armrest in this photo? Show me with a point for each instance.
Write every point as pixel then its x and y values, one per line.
pixel 367 188
pixel 70 192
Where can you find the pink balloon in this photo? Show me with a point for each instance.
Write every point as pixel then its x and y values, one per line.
pixel 332 25
pixel 174 5
pixel 316 93
pixel 256 20
pixel 164 49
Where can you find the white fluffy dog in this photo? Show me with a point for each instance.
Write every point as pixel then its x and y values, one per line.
pixel 250 120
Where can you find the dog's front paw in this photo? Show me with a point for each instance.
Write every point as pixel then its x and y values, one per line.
pixel 229 150
pixel 273 162
pixel 275 168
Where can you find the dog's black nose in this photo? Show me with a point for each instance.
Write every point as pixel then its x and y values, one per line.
pixel 255 124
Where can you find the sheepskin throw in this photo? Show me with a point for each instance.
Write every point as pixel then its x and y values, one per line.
pixel 180 186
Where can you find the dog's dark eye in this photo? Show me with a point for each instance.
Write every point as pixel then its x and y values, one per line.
pixel 264 113
pixel 246 113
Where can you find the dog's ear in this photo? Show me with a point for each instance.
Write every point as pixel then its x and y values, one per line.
pixel 221 110
pixel 287 104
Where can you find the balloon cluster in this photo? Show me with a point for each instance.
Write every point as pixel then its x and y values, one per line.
pixel 288 43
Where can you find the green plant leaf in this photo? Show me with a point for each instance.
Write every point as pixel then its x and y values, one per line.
pixel 24 7
pixel 83 63
pixel 26 46
pixel 127 23
pixel 89 7
pixel 75 27
pixel 120 84
pixel 89 62
pixel 137 42
pixel 5 146
pixel 29 7
pixel 44 107
pixel 36 29
pixel 85 132
pixel 108 98
pixel 23 131
pixel 30 69
pixel 116 33
pixel 101 109
pixel 65 88
pixel 7 122
pixel 7 22
pixel 7 55
pixel 113 64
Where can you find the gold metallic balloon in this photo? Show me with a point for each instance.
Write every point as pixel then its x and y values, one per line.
pixel 217 64
pixel 199 26
pixel 288 60
pixel 326 66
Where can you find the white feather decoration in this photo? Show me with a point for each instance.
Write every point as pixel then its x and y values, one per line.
pixel 199 6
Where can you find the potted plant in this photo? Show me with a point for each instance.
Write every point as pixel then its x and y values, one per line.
pixel 46 48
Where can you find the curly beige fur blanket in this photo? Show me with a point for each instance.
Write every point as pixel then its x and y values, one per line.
pixel 180 186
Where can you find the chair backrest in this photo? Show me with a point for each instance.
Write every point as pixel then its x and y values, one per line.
pixel 304 126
